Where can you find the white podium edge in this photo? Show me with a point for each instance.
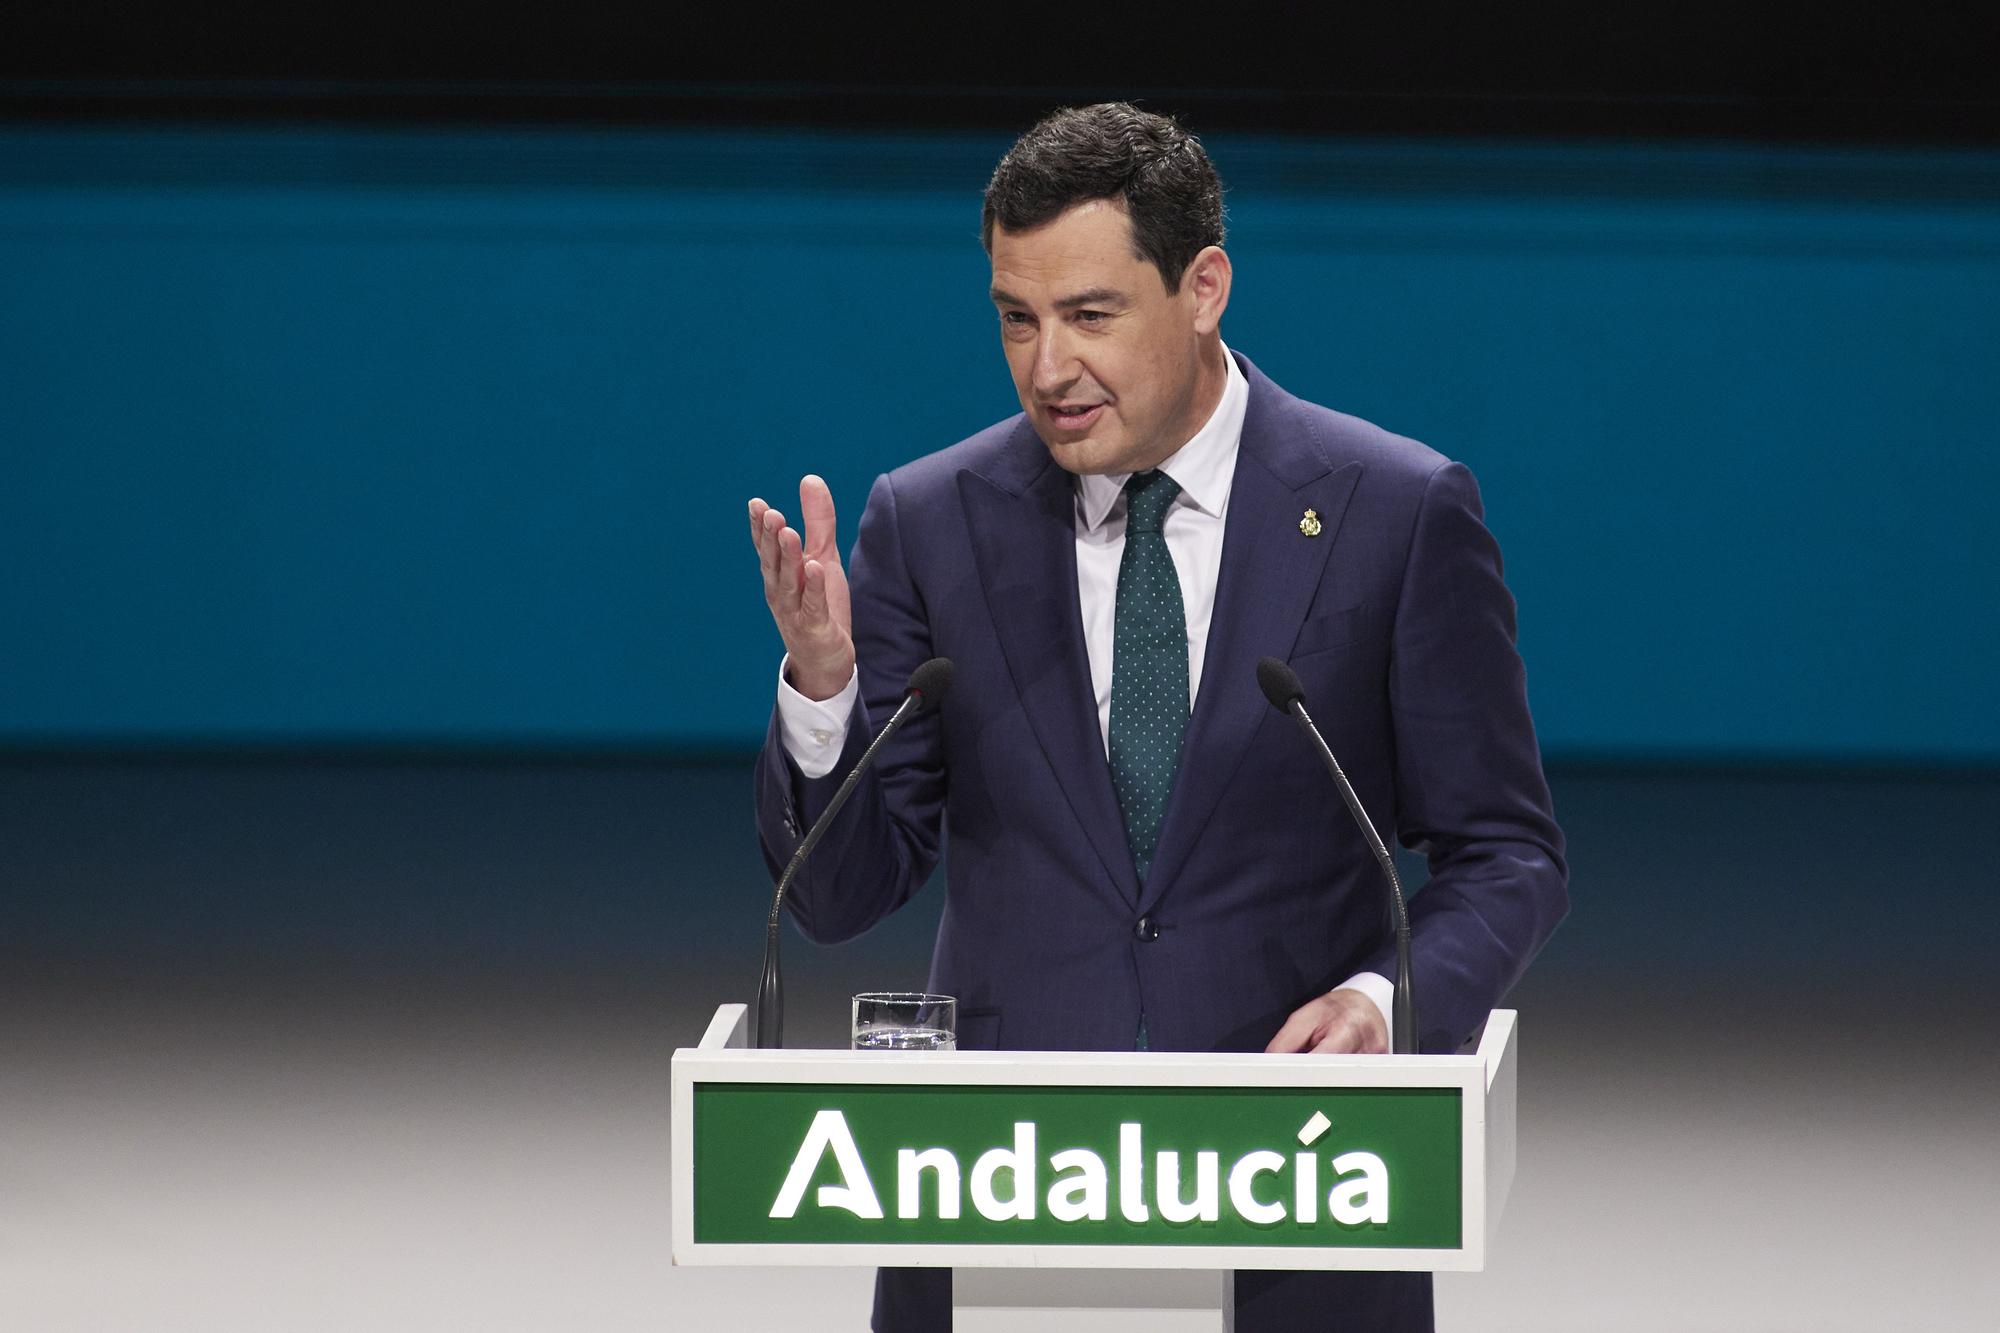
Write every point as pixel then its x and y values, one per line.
pixel 1485 1080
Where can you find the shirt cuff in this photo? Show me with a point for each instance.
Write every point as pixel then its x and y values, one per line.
pixel 815 731
pixel 1379 989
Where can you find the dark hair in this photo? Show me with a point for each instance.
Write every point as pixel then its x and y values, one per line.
pixel 1112 150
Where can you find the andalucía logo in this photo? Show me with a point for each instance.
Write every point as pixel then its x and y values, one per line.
pixel 875 1164
pixel 1081 1189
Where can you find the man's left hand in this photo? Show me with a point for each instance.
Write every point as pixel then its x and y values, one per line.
pixel 1341 1022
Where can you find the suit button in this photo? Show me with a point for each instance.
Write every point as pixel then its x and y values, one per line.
pixel 1147 929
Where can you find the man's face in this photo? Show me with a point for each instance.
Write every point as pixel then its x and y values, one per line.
pixel 1106 362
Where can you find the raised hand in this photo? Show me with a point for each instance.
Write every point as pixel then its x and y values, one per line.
pixel 806 590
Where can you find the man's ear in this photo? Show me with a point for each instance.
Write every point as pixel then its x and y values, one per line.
pixel 1206 284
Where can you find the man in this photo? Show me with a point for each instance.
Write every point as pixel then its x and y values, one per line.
pixel 1143 853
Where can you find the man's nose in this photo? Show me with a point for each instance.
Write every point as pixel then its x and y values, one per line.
pixel 1055 363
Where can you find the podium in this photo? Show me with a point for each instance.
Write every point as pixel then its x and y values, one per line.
pixel 1090 1190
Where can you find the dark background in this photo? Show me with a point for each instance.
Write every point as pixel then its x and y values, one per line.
pixel 1757 71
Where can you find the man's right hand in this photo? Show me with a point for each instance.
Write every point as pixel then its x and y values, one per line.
pixel 806 590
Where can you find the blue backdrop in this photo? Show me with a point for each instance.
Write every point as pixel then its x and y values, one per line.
pixel 441 437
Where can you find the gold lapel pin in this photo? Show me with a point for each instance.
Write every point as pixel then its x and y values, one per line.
pixel 1309 525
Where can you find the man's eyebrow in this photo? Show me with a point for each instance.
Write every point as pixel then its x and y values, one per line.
pixel 1094 296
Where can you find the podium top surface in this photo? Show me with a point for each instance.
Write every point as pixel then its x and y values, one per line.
pixel 723 1053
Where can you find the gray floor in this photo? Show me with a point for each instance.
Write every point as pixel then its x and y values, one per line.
pixel 354 1046
pixel 261 1153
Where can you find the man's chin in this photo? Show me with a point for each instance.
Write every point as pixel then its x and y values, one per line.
pixel 1085 457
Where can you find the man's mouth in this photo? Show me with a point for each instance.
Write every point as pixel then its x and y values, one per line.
pixel 1074 416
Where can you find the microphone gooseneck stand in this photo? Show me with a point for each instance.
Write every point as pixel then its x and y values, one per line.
pixel 926 689
pixel 1281 687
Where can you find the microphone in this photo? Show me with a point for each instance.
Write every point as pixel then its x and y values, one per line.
pixel 926 689
pixel 1281 686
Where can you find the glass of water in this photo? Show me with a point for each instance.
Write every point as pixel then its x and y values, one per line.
pixel 905 1021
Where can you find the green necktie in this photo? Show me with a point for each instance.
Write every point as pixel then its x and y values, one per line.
pixel 1149 667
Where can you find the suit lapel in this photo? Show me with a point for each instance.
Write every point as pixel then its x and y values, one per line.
pixel 1270 572
pixel 1022 523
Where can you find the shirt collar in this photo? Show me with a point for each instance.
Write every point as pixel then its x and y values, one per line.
pixel 1203 468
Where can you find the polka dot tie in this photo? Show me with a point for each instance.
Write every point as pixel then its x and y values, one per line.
pixel 1149 667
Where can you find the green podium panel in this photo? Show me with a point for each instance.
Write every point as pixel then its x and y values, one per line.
pixel 1089 1159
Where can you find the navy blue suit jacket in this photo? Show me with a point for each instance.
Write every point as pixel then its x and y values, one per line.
pixel 1262 892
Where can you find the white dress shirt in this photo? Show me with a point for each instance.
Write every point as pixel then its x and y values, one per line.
pixel 814 732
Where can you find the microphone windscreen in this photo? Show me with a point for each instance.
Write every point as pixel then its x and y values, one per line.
pixel 930 682
pixel 1279 682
